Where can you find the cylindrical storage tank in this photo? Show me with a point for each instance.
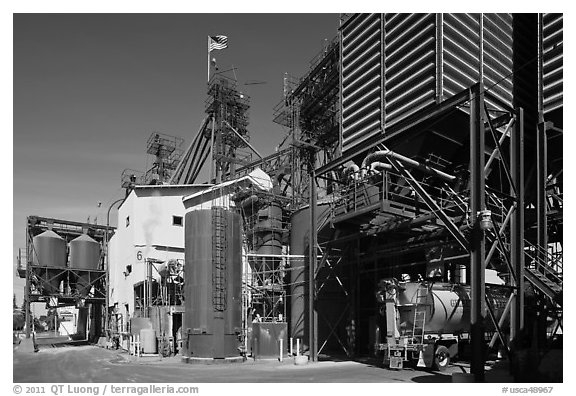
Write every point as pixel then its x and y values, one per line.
pixel 84 254
pixel 148 340
pixel 268 241
pixel 49 251
pixel 213 267
pixel 270 217
pixel 447 305
pixel 299 245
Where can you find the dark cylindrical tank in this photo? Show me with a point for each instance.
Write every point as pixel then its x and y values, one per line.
pixel 268 238
pixel 213 267
pixel 84 254
pixel 49 250
pixel 299 245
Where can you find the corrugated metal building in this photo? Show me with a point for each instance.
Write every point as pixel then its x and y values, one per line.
pixel 396 64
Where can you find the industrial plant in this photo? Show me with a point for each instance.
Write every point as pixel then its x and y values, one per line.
pixel 411 214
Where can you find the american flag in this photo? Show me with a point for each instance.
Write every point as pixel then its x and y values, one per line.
pixel 217 43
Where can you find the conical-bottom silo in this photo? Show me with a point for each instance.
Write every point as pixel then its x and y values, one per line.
pixel 49 255
pixel 84 257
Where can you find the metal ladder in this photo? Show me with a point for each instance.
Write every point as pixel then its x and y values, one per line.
pixel 420 315
pixel 218 260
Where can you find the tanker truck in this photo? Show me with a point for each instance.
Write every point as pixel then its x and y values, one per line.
pixel 424 323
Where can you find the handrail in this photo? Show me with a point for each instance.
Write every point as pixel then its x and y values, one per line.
pixel 542 266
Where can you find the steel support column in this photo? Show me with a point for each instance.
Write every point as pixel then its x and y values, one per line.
pixel 28 317
pixel 477 243
pixel 517 223
pixel 541 176
pixel 312 318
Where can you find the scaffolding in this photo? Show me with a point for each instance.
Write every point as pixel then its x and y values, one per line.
pixel 460 214
pixel 79 287
pixel 266 229
pixel 166 151
pixel 227 110
pixel 223 136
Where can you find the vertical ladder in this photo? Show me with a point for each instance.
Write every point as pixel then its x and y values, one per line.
pixel 420 315
pixel 218 259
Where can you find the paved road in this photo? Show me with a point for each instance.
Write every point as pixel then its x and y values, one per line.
pixel 92 364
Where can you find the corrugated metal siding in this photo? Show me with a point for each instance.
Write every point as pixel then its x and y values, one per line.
pixel 425 56
pixel 410 64
pixel 361 79
pixel 498 56
pixel 462 49
pixel 553 68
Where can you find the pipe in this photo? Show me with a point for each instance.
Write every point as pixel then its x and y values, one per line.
pixel 107 287
pixel 380 166
pixel 406 161
pixel 351 167
pixel 251 200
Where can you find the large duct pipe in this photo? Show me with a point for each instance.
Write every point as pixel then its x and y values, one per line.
pixel 379 166
pixel 370 158
pixel 248 203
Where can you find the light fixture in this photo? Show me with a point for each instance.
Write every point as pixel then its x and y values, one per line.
pixel 485 220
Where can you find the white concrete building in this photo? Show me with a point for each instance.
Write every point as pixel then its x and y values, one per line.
pixel 150 226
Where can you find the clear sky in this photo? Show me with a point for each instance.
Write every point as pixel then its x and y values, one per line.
pixel 90 88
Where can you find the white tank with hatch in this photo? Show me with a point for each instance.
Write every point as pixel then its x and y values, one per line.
pixel 447 305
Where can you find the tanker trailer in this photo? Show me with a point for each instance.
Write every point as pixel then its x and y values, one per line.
pixel 425 321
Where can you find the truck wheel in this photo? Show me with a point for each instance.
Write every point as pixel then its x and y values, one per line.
pixel 441 358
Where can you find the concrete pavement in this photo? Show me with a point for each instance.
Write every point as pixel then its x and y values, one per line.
pixel 98 365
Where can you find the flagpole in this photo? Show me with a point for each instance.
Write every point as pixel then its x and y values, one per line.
pixel 208 59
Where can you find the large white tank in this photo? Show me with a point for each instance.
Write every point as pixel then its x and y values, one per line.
pixel 447 305
pixel 148 340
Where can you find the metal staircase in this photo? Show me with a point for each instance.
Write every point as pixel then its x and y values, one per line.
pixel 545 275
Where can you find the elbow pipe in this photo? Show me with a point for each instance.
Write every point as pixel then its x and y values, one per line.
pixel 352 168
pixel 370 158
pixel 248 202
pixel 380 166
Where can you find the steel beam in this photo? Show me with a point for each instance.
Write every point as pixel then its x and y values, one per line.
pixel 477 245
pixel 313 337
pixel 502 321
pixel 430 202
pixel 541 177
pixel 517 223
pixel 28 317
pixel 244 140
pixel 415 120
pixel 496 325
